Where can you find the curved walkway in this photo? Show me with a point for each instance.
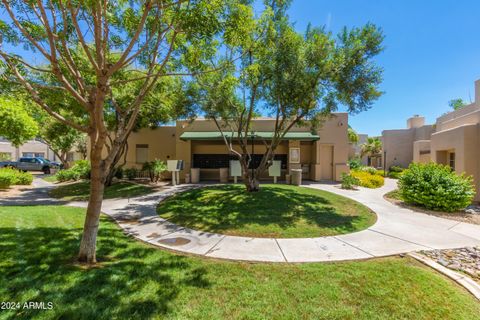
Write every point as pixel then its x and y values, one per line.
pixel 397 230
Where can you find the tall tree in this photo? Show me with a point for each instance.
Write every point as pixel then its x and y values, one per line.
pixel 292 78
pixel 16 125
pixel 161 38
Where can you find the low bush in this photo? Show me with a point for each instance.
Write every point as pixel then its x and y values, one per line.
pixel 11 176
pixel 80 170
pixel 119 173
pixel 7 178
pixel 23 178
pixel 395 172
pixel 380 173
pixel 396 169
pixel 367 179
pixel 131 173
pixel 355 163
pixel 155 169
pixel 349 182
pixel 436 187
pixel 370 170
pixel 395 175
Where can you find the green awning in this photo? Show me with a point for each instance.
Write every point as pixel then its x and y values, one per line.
pixel 216 135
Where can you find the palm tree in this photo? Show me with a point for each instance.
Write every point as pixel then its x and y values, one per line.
pixel 372 148
pixel 352 135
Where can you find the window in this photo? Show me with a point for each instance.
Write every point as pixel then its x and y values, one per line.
pixel 215 161
pixel 451 160
pixel 141 153
pixel 33 154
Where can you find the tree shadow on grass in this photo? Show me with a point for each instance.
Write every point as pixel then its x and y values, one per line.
pixel 221 208
pixel 131 281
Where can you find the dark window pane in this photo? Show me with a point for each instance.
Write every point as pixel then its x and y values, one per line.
pixel 215 161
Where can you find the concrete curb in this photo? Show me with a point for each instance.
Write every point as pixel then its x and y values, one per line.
pixel 463 280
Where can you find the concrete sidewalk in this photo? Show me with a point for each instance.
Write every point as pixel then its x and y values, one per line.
pixel 397 230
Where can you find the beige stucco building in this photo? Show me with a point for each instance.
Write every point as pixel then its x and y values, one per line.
pixel 30 149
pixel 453 140
pixel 322 154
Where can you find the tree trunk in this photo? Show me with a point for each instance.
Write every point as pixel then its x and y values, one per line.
pixel 252 184
pixel 90 229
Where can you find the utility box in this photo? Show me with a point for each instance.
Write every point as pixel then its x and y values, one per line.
pixel 235 170
pixel 175 165
pixel 275 170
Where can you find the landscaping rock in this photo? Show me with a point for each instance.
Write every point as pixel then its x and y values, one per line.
pixel 473 209
pixel 466 260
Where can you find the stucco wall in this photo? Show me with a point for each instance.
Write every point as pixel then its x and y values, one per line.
pixel 32 146
pixel 464 141
pixel 165 143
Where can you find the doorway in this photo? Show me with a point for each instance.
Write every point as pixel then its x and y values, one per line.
pixel 326 161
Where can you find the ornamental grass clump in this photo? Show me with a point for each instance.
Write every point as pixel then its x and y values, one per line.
pixel 436 187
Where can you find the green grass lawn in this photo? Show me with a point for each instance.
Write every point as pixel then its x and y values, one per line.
pixel 280 211
pixel 38 246
pixel 80 191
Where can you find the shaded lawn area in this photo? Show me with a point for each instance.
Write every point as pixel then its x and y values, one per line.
pixel 280 211
pixel 136 281
pixel 79 191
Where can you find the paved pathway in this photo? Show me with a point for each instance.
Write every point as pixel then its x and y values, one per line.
pixel 397 230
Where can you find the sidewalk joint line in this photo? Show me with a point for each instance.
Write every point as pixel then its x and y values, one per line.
pixel 456 224
pixel 285 258
pixel 211 249
pixel 398 238
pixel 351 245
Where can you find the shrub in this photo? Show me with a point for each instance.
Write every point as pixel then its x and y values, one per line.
pixel 131 173
pixel 370 170
pixel 11 176
pixel 396 169
pixel 349 181
pixel 23 178
pixel 155 169
pixel 395 172
pixel 395 175
pixel 7 177
pixel 368 180
pixel 380 173
pixel 119 172
pixel 355 163
pixel 436 187
pixel 80 170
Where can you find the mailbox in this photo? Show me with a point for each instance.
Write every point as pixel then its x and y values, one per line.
pixel 174 165
pixel 275 169
pixel 235 168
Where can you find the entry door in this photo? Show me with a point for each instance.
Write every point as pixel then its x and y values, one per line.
pixel 326 161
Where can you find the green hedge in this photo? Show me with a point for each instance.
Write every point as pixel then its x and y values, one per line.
pixel 80 170
pixel 436 187
pixel 10 176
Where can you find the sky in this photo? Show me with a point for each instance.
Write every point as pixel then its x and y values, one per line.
pixel 431 56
